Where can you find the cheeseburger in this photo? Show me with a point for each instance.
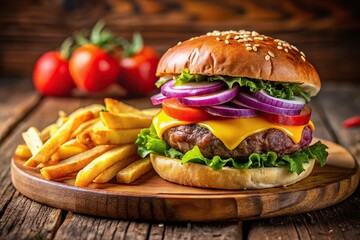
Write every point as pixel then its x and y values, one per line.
pixel 235 113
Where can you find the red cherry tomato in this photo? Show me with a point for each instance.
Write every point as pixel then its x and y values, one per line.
pixel 138 72
pixel 92 68
pixel 296 120
pixel 51 75
pixel 174 109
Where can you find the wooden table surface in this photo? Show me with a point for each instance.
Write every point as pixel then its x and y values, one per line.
pixel 22 218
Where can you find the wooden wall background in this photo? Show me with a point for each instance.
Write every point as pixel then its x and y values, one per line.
pixel 328 31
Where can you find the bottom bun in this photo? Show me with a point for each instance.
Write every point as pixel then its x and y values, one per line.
pixel 198 175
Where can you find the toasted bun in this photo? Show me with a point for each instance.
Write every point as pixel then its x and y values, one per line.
pixel 198 175
pixel 241 54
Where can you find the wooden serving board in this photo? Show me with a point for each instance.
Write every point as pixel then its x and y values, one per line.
pixel 151 198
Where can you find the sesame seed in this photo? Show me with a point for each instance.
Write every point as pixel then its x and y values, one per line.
pixel 257 45
pixel 250 39
pixel 247 45
pixel 302 54
pixel 229 36
pixel 280 43
pixel 249 48
pixel 303 58
pixel 253 33
pixel 293 47
pixel 254 48
pixel 277 40
pixel 271 54
pixel 267 57
pixel 240 40
pixel 286 50
pixel 258 38
pixel 236 37
pixel 279 47
pixel 227 41
pixel 218 39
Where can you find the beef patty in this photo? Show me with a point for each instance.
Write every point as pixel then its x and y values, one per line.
pixel 184 138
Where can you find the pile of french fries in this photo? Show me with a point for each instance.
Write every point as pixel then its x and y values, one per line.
pixel 93 144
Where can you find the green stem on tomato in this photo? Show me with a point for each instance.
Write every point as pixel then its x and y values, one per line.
pixel 66 48
pixel 133 48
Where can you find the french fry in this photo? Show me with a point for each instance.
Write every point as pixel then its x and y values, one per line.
pixel 62 119
pixel 94 108
pixel 51 162
pixel 111 172
pixel 115 106
pixel 59 138
pixel 86 125
pixel 134 171
pixel 74 164
pixel 69 149
pixel 103 162
pixel 151 111
pixel 32 139
pixel 125 120
pixel 100 136
pixel 48 131
pixel 53 130
pixel 23 151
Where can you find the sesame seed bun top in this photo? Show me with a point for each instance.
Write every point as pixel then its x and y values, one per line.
pixel 241 54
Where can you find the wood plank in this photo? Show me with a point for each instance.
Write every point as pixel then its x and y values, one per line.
pixel 337 222
pixel 17 98
pixel 26 219
pixel 339 103
pixel 231 230
pixel 78 226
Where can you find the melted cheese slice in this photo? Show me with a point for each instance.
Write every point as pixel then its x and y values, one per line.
pixel 231 131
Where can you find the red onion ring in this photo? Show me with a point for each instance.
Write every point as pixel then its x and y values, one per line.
pixel 254 103
pixel 296 103
pixel 230 112
pixel 157 99
pixel 216 98
pixel 190 89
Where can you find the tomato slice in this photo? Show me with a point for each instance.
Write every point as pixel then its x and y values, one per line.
pixel 295 120
pixel 174 109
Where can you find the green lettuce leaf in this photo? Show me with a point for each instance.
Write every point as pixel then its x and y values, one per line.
pixel 161 81
pixel 318 152
pixel 148 142
pixel 250 84
pixel 285 90
pixel 186 77
pixel 295 162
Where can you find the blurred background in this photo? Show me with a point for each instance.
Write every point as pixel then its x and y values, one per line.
pixel 326 30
